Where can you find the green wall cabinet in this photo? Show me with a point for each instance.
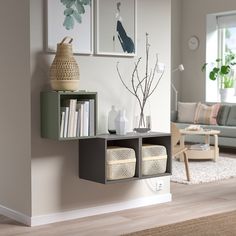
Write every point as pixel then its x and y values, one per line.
pixel 51 109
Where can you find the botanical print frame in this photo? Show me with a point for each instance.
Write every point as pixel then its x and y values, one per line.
pixel 116 27
pixel 73 19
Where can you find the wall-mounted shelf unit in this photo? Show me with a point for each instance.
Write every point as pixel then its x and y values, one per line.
pixel 52 103
pixel 92 154
pixel 93 148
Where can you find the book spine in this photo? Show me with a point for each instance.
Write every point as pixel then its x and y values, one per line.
pixel 62 124
pixel 91 117
pixel 78 123
pixel 86 119
pixel 71 117
pixel 82 119
pixel 75 124
pixel 65 133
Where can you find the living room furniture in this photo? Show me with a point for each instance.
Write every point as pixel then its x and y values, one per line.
pixel 210 153
pixel 52 103
pixel 93 148
pixel 177 149
pixel 93 152
pixel 226 120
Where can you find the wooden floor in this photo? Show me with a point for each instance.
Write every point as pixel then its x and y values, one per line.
pixel 188 202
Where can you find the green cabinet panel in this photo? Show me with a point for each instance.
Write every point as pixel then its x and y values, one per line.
pixel 51 103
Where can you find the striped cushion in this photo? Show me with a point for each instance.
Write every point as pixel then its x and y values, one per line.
pixel 206 114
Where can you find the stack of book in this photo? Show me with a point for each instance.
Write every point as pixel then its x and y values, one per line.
pixel 200 146
pixel 77 118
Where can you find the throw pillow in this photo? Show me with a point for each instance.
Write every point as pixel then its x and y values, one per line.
pixel 231 121
pixel 223 114
pixel 206 114
pixel 186 111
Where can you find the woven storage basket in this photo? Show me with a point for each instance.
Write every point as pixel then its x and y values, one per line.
pixel 154 159
pixel 120 163
pixel 64 71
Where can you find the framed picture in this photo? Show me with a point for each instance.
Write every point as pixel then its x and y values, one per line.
pixel 116 27
pixel 73 19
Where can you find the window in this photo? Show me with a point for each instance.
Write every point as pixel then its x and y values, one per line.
pixel 221 43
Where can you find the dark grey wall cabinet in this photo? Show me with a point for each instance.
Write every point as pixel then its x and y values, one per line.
pixel 92 154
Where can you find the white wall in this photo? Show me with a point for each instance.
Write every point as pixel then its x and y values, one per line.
pixel 194 23
pixel 15 160
pixel 55 183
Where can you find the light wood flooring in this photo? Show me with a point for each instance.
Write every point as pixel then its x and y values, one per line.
pixel 189 202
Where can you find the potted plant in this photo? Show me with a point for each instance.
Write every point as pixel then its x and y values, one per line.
pixel 224 70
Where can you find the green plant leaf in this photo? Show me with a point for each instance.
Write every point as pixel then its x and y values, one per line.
pixel 213 75
pixel 69 22
pixel 204 67
pixel 68 11
pixel 216 70
pixel 218 60
pixel 225 69
pixel 80 7
pixel 77 16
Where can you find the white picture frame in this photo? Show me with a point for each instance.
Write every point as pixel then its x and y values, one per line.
pixel 113 38
pixel 82 33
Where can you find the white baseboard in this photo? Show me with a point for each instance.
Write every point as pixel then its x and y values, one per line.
pixel 76 214
pixel 15 215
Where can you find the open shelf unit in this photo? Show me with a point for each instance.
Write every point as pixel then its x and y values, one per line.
pixel 92 154
pixel 93 149
pixel 51 103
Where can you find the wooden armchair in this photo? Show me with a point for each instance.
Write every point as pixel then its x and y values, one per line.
pixel 177 149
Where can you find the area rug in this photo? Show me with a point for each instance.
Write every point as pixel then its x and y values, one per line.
pixel 204 171
pixel 217 225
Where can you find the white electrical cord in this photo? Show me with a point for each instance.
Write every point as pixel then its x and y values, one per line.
pixel 154 184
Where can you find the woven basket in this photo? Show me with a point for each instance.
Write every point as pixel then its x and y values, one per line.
pixel 154 159
pixel 120 163
pixel 64 68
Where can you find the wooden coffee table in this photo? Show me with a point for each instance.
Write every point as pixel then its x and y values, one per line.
pixel 211 153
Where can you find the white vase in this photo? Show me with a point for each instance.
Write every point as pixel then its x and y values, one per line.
pixel 121 123
pixel 111 120
pixel 226 94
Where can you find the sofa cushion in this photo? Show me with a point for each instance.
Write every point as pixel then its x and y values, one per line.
pixel 186 112
pixel 206 114
pixel 231 121
pixel 223 114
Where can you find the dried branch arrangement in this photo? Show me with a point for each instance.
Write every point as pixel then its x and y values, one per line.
pixel 142 87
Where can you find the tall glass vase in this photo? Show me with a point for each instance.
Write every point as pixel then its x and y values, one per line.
pixel 142 118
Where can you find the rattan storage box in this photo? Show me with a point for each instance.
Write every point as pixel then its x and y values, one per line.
pixel 120 163
pixel 154 159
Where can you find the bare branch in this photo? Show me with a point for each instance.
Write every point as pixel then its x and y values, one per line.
pixel 156 84
pixel 143 88
pixel 117 68
pixel 133 74
pixel 153 76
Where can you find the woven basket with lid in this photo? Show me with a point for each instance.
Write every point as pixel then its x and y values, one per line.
pixel 64 71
